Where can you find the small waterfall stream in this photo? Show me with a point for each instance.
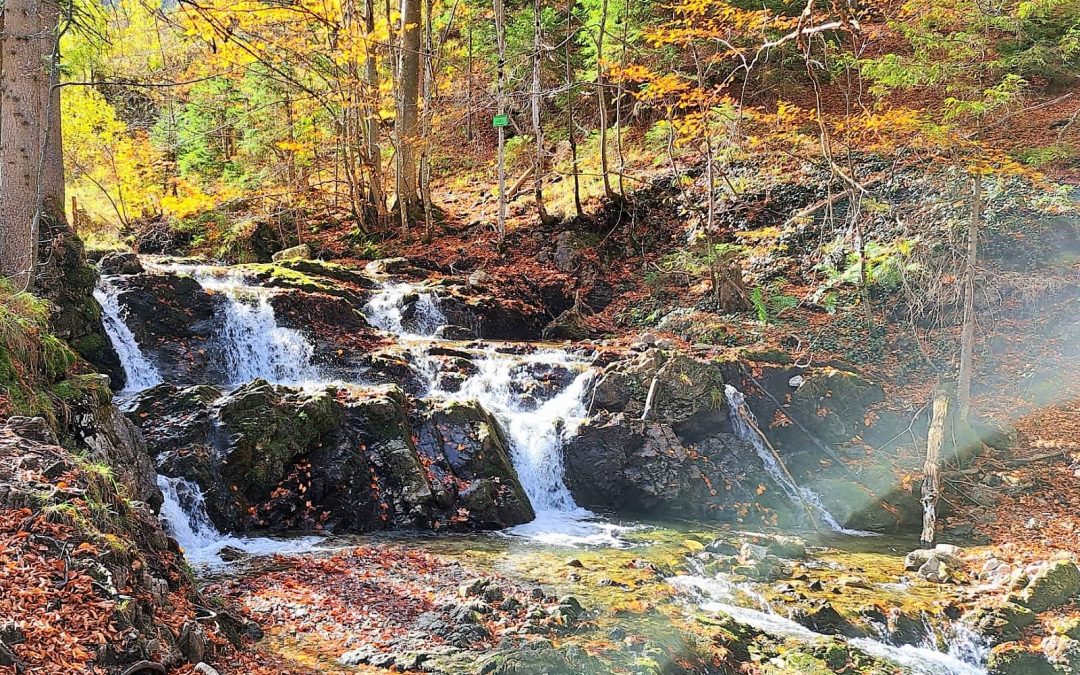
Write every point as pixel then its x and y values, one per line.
pixel 536 432
pixel 185 517
pixel 536 426
pixel 254 344
pixel 141 373
pixel 737 408
pixel 965 656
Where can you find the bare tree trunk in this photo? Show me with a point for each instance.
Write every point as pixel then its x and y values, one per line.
pixel 935 441
pixel 500 36
pixel 425 124
pixel 468 90
pixel 371 111
pixel 571 136
pixel 31 159
pixel 21 82
pixel 601 99
pixel 538 130
pixel 967 333
pixel 407 124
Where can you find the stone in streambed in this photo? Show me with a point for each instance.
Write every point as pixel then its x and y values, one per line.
pixel 1055 585
pixel 1014 658
pixel 301 252
pixel 1000 622
pixel 120 262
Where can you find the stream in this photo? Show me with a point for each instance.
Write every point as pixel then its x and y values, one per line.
pixel 536 426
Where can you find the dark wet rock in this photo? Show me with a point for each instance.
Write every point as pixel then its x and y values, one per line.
pixel 827 406
pixel 174 321
pixel 1014 658
pixel 823 618
pixel 569 611
pixel 120 262
pixel 624 464
pixel 1055 585
pixel 67 281
pixel 1000 622
pixel 870 501
pixel 451 332
pixel 570 325
pixel 273 456
pixel 463 440
pixel 492 317
pixel 98 430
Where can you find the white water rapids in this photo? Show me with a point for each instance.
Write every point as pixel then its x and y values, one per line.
pixel 139 371
pixel 254 344
pixel 966 653
pixel 535 432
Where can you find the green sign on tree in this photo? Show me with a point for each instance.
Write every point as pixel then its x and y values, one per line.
pixel 502 120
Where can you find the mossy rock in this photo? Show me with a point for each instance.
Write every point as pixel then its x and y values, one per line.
pixel 269 427
pixel 1014 658
pixel 1069 627
pixel 1000 623
pixel 1055 585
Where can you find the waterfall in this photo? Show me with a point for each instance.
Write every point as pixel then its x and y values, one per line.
pixel 800 495
pixel 140 371
pixel 185 517
pixel 535 432
pixel 254 345
pixel 966 653
pixel 386 311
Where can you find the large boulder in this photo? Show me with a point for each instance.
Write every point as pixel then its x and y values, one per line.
pixel 462 440
pixel 352 460
pixel 1015 658
pixel 999 622
pixel 675 454
pixel 120 262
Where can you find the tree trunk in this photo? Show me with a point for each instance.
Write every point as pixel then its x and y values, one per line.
pixel 601 99
pixel 967 333
pixel 935 441
pixel 571 136
pixel 500 36
pixel 371 110
pixel 408 117
pixel 23 81
pixel 425 126
pixel 538 130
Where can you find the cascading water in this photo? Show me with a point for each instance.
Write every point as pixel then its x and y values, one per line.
pixel 966 653
pixel 140 372
pixel 535 432
pixel 184 514
pixel 737 409
pixel 254 344
pixel 386 311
